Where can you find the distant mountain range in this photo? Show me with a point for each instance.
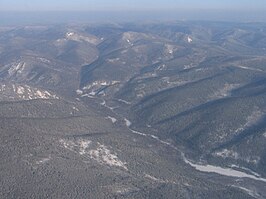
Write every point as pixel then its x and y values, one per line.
pixel 133 110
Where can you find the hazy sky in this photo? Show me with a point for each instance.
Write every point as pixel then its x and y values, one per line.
pixel 130 10
pixel 110 5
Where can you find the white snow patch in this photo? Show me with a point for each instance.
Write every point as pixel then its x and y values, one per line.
pixel 161 67
pixel 188 66
pixel 159 180
pixel 167 143
pixel 95 86
pixel 129 37
pixel 138 133
pixel 169 83
pixel 79 92
pixel 122 189
pixel 20 90
pixel 69 34
pixel 103 103
pixel 124 101
pixel 114 120
pixel 225 91
pixel 43 160
pixel 103 155
pixel 100 153
pixel 14 87
pixel 84 144
pixel 189 39
pixel 255 116
pixel 60 42
pixel 128 123
pixel 244 168
pixel 3 87
pixel 153 137
pixel 81 38
pixel 44 60
pixel 87 95
pixel 222 171
pixel 68 144
pixel 248 68
pixel 40 94
pixel 250 192
pixel 113 60
pixel 75 108
pixel 155 179
pixel 93 93
pixel 129 42
pixel 225 153
pixel 102 93
pixel 25 92
pixel 201 69
pixel 169 49
pixel 16 68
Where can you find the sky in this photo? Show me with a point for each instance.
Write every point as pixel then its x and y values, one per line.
pixel 120 5
pixel 129 10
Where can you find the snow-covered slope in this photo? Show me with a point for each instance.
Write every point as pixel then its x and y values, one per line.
pixel 23 92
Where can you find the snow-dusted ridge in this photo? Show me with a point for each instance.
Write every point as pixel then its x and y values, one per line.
pixel 24 92
pixel 81 38
pixel 225 91
pixel 226 153
pixel 17 67
pixel 93 88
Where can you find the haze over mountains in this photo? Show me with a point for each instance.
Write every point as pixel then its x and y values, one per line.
pixel 133 110
pixel 34 17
